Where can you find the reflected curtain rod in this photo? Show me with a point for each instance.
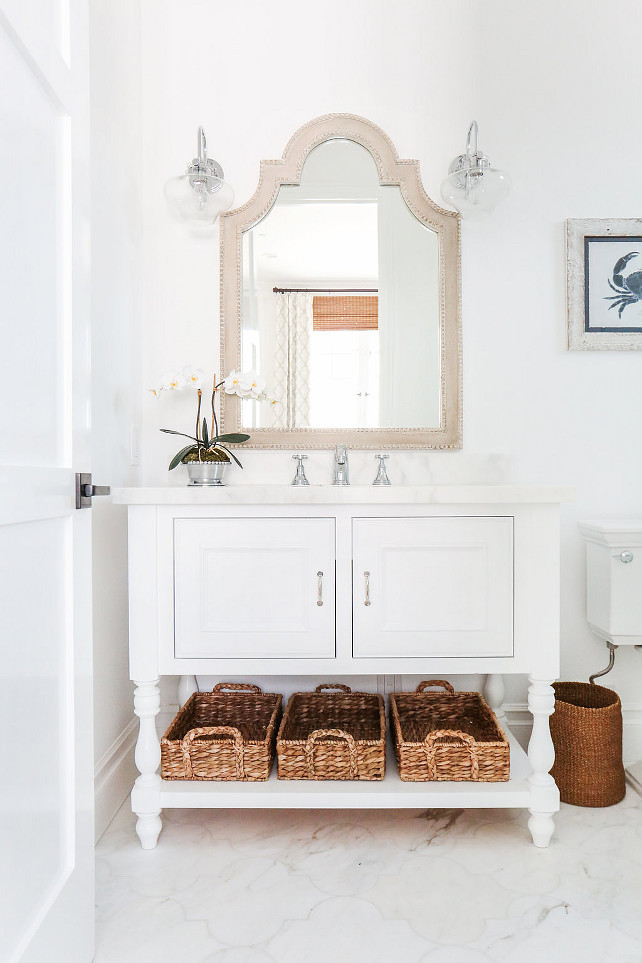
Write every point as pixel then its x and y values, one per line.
pixel 325 290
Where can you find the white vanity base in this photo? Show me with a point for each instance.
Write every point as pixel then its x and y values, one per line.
pixel 432 581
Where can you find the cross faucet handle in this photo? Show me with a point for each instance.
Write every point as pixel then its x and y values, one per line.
pixel 299 478
pixel 382 475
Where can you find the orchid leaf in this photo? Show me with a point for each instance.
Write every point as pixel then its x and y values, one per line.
pixel 176 460
pixel 168 431
pixel 206 437
pixel 231 453
pixel 233 439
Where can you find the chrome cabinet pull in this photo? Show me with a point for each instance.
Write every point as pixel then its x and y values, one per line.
pixel 320 588
pixel 625 557
pixel 367 578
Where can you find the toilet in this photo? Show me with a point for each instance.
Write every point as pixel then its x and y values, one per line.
pixel 614 592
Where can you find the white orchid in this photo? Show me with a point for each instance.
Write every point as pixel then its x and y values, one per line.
pixel 245 384
pixel 256 385
pixel 232 383
pixel 172 381
pixel 207 440
pixel 194 376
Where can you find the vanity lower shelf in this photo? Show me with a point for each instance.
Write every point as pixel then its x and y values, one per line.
pixel 390 793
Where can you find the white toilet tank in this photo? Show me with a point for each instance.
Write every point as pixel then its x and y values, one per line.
pixel 614 579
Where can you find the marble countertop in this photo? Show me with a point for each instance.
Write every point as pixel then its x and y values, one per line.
pixel 351 495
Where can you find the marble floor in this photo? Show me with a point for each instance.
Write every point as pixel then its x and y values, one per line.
pixel 350 886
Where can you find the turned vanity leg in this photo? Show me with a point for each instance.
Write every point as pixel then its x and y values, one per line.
pixel 495 693
pixel 146 791
pixel 187 685
pixel 541 754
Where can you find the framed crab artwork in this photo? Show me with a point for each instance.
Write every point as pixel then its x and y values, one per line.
pixel 604 283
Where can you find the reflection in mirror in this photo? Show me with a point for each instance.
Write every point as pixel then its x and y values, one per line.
pixel 340 306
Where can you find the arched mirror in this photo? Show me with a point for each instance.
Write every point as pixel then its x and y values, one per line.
pixel 340 286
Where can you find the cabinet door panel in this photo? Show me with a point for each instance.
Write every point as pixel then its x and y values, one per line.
pixel 435 586
pixel 249 588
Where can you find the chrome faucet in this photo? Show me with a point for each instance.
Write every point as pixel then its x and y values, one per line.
pixel 341 471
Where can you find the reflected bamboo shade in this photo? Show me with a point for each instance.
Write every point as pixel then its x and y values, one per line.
pixel 345 313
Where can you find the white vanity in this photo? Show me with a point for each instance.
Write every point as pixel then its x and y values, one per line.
pixel 432 581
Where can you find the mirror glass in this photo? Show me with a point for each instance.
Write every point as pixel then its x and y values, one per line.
pixel 340 302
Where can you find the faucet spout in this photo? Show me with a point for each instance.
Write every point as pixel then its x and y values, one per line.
pixel 341 469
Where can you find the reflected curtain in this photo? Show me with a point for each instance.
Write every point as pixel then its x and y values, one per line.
pixel 292 360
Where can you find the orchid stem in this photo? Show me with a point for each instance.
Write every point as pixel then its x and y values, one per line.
pixel 198 415
pixel 215 422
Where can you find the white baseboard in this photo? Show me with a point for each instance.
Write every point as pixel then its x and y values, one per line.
pixel 114 776
pixel 634 777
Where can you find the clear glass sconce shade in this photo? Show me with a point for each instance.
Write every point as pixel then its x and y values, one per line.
pixel 474 194
pixel 201 194
pixel 473 187
pixel 199 201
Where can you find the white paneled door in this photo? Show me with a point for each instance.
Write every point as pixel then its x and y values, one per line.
pixel 46 765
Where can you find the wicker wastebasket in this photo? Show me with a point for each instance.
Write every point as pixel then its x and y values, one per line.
pixel 586 728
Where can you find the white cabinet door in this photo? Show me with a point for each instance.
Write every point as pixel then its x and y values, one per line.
pixel 254 588
pixel 433 586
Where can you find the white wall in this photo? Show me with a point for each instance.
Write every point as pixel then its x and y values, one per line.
pixel 116 378
pixel 553 88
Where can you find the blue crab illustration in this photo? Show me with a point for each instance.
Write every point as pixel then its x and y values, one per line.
pixel 628 289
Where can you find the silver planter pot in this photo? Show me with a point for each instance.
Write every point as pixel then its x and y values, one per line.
pixel 207 473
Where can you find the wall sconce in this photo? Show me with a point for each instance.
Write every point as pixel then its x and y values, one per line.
pixel 473 187
pixel 201 194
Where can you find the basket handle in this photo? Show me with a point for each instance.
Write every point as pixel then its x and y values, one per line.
pixel 332 685
pixel 236 687
pixel 432 682
pixel 320 734
pixel 463 737
pixel 193 734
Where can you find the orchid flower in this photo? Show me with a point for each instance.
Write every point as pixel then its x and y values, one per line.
pixel 232 383
pixel 245 384
pixel 194 376
pixel 173 381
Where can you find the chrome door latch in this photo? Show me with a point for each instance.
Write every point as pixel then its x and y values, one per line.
pixel 85 490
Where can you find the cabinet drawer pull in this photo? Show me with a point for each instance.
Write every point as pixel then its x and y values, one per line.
pixel 367 578
pixel 320 588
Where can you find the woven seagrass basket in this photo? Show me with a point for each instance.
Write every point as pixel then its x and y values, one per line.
pixel 449 735
pixel 586 729
pixel 228 733
pixel 332 735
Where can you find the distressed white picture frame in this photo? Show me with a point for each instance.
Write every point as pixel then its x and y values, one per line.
pixel 591 245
